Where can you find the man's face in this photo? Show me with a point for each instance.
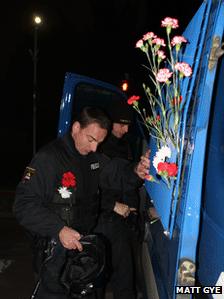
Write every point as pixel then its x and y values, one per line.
pixel 119 130
pixel 87 139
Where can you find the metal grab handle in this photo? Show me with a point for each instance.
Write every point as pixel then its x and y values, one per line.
pixel 217 50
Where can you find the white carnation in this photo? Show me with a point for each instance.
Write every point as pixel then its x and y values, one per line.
pixel 156 161
pixel 161 155
pixel 164 152
pixel 65 193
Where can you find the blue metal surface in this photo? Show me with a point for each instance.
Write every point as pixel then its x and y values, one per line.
pixel 180 211
pixel 163 252
pixel 198 134
pixel 211 242
pixel 69 91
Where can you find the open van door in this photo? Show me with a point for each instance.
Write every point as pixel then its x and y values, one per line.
pixel 190 211
pixel 80 91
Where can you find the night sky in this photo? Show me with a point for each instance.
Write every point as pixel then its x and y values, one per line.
pixel 95 38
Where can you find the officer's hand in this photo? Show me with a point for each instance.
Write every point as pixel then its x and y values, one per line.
pixel 142 168
pixel 70 238
pixel 121 209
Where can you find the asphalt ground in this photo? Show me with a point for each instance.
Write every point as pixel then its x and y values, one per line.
pixel 16 276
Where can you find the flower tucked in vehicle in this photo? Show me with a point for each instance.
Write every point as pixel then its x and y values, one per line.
pixel 164 96
pixel 164 169
pixel 167 169
pixel 150 178
pixel 68 184
pixel 133 100
pixel 161 155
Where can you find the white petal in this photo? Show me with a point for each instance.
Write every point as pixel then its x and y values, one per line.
pixel 65 193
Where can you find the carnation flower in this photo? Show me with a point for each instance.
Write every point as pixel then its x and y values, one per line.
pixel 149 35
pixel 167 169
pixel 65 193
pixel 183 68
pixel 164 152
pixel 163 75
pixel 162 118
pixel 68 179
pixel 178 40
pixel 160 156
pixel 133 99
pixel 68 184
pixel 139 43
pixel 156 160
pixel 161 54
pixel 159 41
pixel 170 22
pixel 150 178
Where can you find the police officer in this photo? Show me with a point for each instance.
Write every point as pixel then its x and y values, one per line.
pixel 117 143
pixel 57 196
pixel 119 227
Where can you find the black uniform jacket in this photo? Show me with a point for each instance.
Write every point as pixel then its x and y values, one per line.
pixel 42 181
pixel 119 148
pixel 115 147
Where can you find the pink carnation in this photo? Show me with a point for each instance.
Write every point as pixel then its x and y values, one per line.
pixel 159 41
pixel 163 75
pixel 178 40
pixel 184 68
pixel 170 22
pixel 161 54
pixel 139 44
pixel 149 35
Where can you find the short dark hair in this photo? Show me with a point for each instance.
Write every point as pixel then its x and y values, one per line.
pixel 89 115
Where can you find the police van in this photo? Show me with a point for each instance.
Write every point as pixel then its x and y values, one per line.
pixel 183 250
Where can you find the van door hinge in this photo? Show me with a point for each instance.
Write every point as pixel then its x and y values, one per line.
pixel 186 272
pixel 217 51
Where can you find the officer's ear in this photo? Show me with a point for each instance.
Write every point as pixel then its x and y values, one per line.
pixel 76 127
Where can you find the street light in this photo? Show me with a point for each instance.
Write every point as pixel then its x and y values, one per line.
pixel 37 21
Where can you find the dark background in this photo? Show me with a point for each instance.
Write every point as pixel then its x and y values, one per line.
pixel 95 38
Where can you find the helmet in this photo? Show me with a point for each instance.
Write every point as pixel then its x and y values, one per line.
pixel 84 270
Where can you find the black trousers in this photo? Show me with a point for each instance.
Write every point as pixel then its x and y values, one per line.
pixel 120 257
pixel 42 293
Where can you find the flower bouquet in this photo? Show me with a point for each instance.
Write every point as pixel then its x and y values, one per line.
pixel 163 118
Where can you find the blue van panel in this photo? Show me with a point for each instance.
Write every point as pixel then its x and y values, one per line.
pixel 211 240
pixel 69 92
pixel 180 209
pixel 193 192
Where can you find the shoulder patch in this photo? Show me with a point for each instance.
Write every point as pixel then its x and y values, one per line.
pixel 28 173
